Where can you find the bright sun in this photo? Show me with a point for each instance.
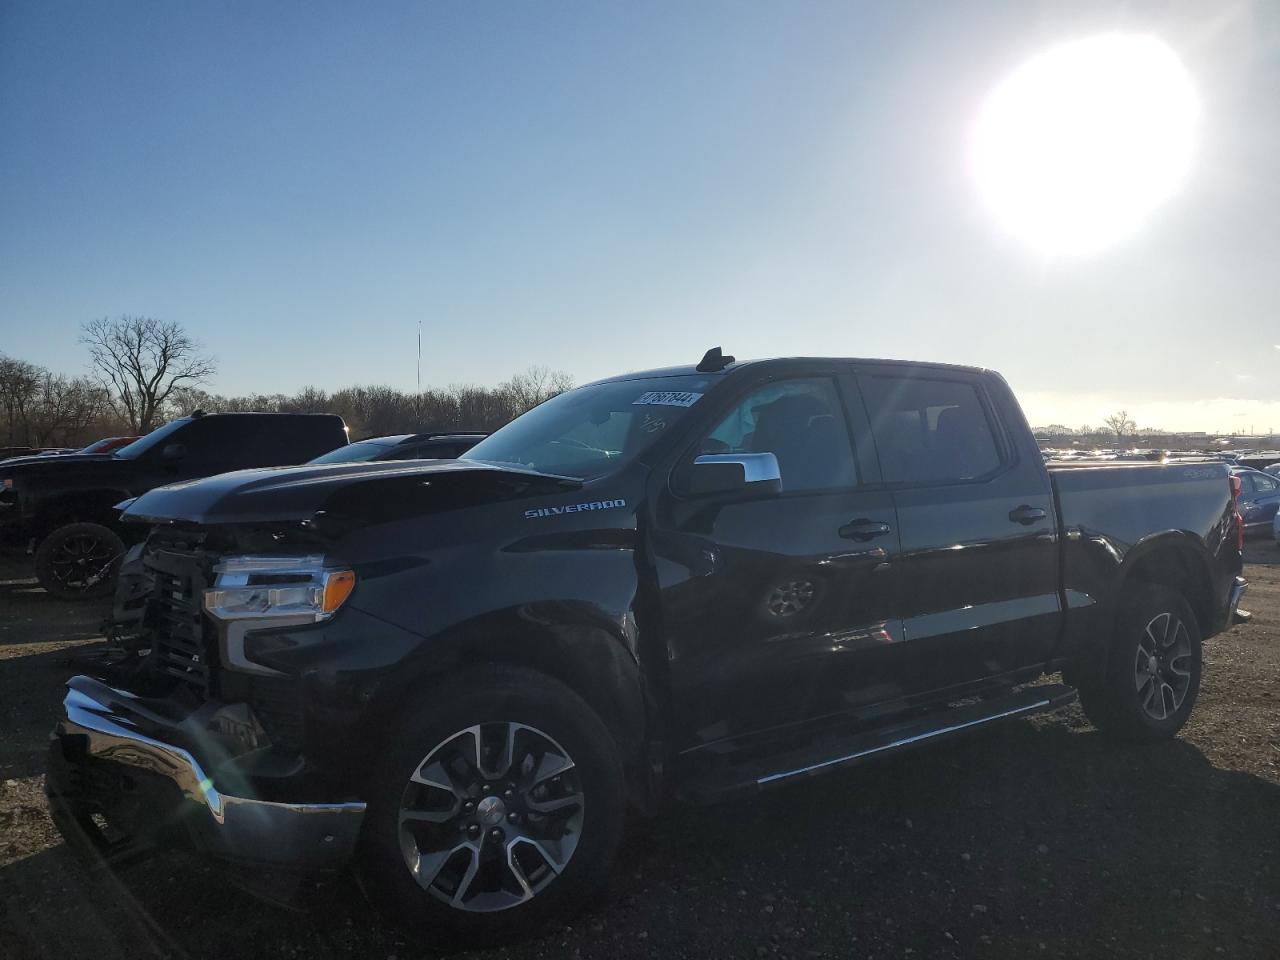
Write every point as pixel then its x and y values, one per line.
pixel 1075 148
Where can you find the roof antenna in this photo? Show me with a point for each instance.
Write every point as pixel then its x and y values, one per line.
pixel 713 361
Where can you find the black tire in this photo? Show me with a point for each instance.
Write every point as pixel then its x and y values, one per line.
pixel 78 561
pixel 492 695
pixel 1121 704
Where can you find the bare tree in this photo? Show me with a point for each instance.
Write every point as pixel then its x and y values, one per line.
pixel 143 360
pixel 1120 424
pixel 535 385
pixel 19 384
pixel 64 407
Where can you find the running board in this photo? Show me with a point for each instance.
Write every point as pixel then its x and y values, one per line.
pixel 735 779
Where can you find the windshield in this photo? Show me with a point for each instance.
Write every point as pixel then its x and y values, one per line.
pixel 590 431
pixel 140 446
pixel 353 452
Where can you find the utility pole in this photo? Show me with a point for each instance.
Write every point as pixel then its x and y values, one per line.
pixel 419 356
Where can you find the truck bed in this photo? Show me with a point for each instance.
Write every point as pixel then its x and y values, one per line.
pixel 1112 514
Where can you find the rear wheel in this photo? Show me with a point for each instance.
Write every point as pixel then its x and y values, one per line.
pixel 78 561
pixel 499 811
pixel 1153 674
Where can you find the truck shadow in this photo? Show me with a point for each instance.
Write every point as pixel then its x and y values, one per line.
pixel 1028 834
pixel 32 686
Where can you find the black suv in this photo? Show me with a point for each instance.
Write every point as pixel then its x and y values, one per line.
pixel 64 508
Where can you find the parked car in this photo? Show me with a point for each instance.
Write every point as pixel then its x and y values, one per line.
pixel 9 454
pixel 63 509
pixel 1273 470
pixel 701 581
pixel 1259 498
pixel 404 446
pixel 107 444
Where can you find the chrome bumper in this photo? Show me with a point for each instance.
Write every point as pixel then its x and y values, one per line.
pixel 101 724
pixel 1234 615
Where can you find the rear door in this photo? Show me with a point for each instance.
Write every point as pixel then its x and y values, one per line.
pixel 978 576
pixel 777 607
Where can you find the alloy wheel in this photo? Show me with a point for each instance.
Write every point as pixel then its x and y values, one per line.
pixel 491 816
pixel 81 562
pixel 1162 666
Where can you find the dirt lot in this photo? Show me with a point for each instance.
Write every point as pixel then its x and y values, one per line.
pixel 1037 839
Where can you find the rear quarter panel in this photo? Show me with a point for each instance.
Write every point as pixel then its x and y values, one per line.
pixel 1112 516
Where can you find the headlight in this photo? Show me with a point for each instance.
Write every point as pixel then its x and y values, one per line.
pixel 260 587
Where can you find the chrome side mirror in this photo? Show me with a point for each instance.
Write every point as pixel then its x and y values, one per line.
pixel 728 473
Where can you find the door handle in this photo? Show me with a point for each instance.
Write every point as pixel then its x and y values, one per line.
pixel 863 529
pixel 1026 515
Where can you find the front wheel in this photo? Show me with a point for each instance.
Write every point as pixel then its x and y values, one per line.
pixel 499 810
pixel 78 561
pixel 1153 674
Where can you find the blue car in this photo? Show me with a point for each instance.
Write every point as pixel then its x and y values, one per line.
pixel 1259 498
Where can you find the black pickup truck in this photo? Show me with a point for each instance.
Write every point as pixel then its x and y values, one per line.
pixel 701 581
pixel 64 508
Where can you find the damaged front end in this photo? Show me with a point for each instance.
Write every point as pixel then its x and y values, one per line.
pixel 187 739
pixel 238 707
pixel 126 773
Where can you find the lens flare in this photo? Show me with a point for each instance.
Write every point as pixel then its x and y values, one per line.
pixel 1075 149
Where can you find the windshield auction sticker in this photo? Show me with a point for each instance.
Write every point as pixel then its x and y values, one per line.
pixel 668 398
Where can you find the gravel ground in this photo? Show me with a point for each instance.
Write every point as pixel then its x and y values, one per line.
pixel 1037 839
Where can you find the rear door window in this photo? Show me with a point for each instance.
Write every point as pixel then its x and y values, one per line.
pixel 930 430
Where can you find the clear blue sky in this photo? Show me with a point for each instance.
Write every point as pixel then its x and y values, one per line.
pixel 609 186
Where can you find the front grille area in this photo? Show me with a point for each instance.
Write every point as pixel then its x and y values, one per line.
pixel 185 646
pixel 181 645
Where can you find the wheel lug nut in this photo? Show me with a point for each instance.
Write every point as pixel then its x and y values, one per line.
pixel 469 806
pixel 496 834
pixel 473 831
pixel 486 789
pixel 513 817
pixel 508 793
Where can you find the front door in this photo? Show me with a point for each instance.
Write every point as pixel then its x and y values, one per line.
pixel 771 602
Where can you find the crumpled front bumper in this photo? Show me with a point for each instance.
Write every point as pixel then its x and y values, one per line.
pixel 107 778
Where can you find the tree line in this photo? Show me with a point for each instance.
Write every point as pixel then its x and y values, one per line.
pixel 1119 425
pixel 147 371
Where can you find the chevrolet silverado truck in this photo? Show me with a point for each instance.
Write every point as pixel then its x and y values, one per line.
pixel 459 677
pixel 63 509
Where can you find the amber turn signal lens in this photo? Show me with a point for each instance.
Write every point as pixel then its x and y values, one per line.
pixel 338 585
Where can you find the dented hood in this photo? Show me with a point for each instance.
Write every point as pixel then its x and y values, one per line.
pixel 340 492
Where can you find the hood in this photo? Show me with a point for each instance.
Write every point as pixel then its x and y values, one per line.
pixel 54 460
pixel 340 493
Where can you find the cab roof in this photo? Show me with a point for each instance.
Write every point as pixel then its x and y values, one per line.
pixel 783 363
